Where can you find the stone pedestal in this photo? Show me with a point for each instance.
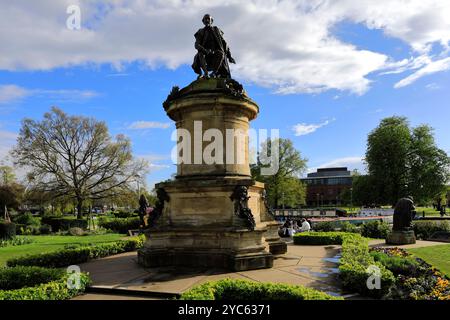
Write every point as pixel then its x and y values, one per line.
pixel 200 222
pixel 401 237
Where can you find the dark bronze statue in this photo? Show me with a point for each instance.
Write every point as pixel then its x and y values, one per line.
pixel 143 205
pixel 241 209
pixel 403 214
pixel 213 52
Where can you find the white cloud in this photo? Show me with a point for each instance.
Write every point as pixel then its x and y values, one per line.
pixel 350 162
pixel 430 68
pixel 11 93
pixel 303 129
pixel 139 125
pixel 7 141
pixel 284 45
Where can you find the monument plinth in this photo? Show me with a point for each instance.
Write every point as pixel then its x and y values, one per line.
pixel 213 214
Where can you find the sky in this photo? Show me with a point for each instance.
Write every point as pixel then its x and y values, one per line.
pixel 323 72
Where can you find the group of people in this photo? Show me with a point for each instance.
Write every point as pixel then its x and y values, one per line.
pixel 291 227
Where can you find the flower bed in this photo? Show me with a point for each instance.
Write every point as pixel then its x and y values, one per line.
pixel 34 283
pixel 230 289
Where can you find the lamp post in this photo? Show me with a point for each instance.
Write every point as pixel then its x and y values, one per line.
pixel 351 198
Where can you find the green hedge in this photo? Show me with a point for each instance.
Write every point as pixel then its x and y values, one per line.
pixel 54 288
pixel 353 266
pixel 64 224
pixel 231 289
pixel 120 225
pixel 7 230
pixel 425 229
pixel 375 229
pixel 66 257
pixel 321 238
pixel 20 277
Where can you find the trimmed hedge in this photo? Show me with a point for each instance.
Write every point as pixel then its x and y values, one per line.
pixel 231 289
pixel 322 238
pixel 425 229
pixel 20 277
pixel 7 230
pixel 120 225
pixel 375 229
pixel 66 257
pixel 353 268
pixel 64 224
pixel 55 289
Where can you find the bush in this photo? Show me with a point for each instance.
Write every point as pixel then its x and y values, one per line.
pixel 76 231
pixel 375 229
pixel 120 225
pixel 230 289
pixel 354 272
pixel 27 219
pixel 45 229
pixel 20 277
pixel 425 229
pixel 396 264
pixel 64 224
pixel 32 283
pixel 66 257
pixel 321 238
pixel 325 226
pixel 124 214
pixel 16 241
pixel 349 227
pixel 7 230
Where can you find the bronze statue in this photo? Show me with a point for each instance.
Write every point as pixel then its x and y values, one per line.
pixel 241 209
pixel 213 52
pixel 143 205
pixel 403 214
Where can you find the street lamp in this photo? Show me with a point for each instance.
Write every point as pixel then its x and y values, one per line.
pixel 351 198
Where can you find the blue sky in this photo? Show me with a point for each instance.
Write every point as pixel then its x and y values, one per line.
pixel 334 84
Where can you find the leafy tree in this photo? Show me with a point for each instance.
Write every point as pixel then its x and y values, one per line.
pixel 75 156
pixel 7 175
pixel 11 196
pixel 283 187
pixel 364 191
pixel 402 161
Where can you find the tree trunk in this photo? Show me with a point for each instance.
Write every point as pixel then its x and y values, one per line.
pixel 79 208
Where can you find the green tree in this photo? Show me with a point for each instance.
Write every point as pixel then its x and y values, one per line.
pixel 402 161
pixel 75 156
pixel 11 196
pixel 7 175
pixel 364 191
pixel 283 187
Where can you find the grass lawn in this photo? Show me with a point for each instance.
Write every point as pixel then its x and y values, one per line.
pixel 429 212
pixel 438 256
pixel 52 243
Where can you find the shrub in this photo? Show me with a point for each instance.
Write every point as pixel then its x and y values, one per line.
pixel 76 231
pixel 7 230
pixel 396 264
pixel 349 227
pixel 124 214
pixel 20 277
pixel 231 289
pixel 375 229
pixel 64 224
pixel 32 283
pixel 325 226
pixel 65 257
pixel 16 241
pixel 45 229
pixel 425 229
pixel 354 272
pixel 321 238
pixel 27 219
pixel 120 225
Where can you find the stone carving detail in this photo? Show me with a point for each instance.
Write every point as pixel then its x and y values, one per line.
pixel 143 205
pixel 162 196
pixel 234 88
pixel 241 209
pixel 266 204
pixel 174 93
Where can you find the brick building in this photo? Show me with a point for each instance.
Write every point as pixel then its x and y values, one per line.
pixel 325 186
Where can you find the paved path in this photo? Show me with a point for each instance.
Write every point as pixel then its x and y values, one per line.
pixel 310 266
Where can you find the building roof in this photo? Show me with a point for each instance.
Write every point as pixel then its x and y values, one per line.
pixel 337 172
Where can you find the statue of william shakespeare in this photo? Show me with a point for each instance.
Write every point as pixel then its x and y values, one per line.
pixel 213 53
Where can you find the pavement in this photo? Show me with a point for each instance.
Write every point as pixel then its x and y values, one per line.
pixel 119 277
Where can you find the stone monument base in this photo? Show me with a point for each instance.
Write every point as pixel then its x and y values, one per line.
pixel 401 237
pixel 235 250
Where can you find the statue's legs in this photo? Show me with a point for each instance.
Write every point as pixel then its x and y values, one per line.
pixel 203 65
pixel 215 62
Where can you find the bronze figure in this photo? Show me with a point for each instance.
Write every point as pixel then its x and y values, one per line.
pixel 213 52
pixel 403 214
